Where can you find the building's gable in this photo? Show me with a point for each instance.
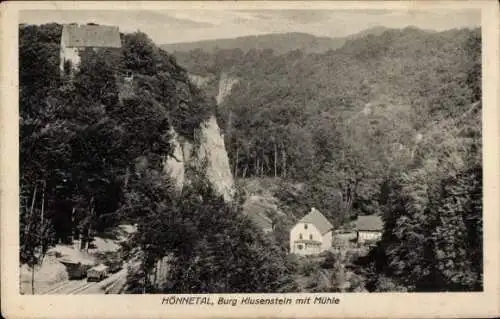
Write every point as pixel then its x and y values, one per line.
pixel 316 218
pixel 306 238
pixel 306 229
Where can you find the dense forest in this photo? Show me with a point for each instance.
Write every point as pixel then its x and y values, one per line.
pixel 387 124
pixel 91 157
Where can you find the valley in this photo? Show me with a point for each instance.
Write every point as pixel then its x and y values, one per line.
pixel 276 163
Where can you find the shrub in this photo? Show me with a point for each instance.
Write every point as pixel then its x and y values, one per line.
pixel 308 267
pixel 329 261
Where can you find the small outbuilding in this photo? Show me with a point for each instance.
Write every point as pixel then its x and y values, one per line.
pixel 369 228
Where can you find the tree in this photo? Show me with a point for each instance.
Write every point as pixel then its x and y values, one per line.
pixel 458 232
pixel 36 233
pixel 215 259
pixel 434 216
pixel 219 261
pixel 138 53
pixel 150 203
pixel 77 137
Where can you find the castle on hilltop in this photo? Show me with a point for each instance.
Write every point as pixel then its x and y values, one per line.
pixel 77 38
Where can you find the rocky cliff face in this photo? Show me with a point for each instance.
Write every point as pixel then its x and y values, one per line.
pixel 226 83
pixel 208 153
pixel 212 151
pixel 200 81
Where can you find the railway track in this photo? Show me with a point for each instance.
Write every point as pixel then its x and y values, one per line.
pixel 80 289
pixel 70 287
pixel 111 285
pixel 64 287
pixel 115 287
pixel 56 288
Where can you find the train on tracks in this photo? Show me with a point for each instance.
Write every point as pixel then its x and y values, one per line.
pixel 88 269
pixel 97 273
pixel 76 270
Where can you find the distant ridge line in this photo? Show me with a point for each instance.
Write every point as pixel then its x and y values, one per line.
pixel 279 42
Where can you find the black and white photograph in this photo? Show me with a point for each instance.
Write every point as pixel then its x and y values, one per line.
pixel 186 152
pixel 299 150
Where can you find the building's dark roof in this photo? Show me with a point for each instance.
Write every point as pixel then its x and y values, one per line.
pixel 370 223
pixel 96 36
pixel 317 219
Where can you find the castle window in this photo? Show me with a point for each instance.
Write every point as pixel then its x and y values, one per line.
pixel 311 236
pixel 299 246
pixel 300 236
pixel 305 226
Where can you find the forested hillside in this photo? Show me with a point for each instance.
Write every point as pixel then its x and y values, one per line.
pixel 187 53
pixel 279 42
pixel 80 138
pixel 92 156
pixel 388 124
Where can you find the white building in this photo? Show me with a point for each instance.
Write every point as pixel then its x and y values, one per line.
pixel 369 228
pixel 76 38
pixel 311 235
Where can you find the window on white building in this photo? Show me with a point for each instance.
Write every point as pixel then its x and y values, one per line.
pixel 311 236
pixel 305 226
pixel 300 236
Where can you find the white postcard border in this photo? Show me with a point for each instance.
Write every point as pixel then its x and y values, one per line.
pixel 416 305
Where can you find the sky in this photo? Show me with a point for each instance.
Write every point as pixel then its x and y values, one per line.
pixel 188 25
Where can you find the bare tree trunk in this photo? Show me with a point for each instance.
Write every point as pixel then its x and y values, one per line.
pixel 260 167
pixel 41 231
pixel 43 202
pixel 145 275
pixel 229 125
pixel 261 164
pixel 244 174
pixel 33 263
pixel 257 166
pixel 33 279
pixel 145 279
pixel 275 161
pixel 283 170
pixel 160 271
pixel 155 274
pixel 31 211
pixel 89 228
pixel 127 176
pixel 87 241
pixel 236 161
pixel 72 225
pixel 42 227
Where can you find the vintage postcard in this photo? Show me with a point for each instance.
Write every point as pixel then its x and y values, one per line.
pixel 250 159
